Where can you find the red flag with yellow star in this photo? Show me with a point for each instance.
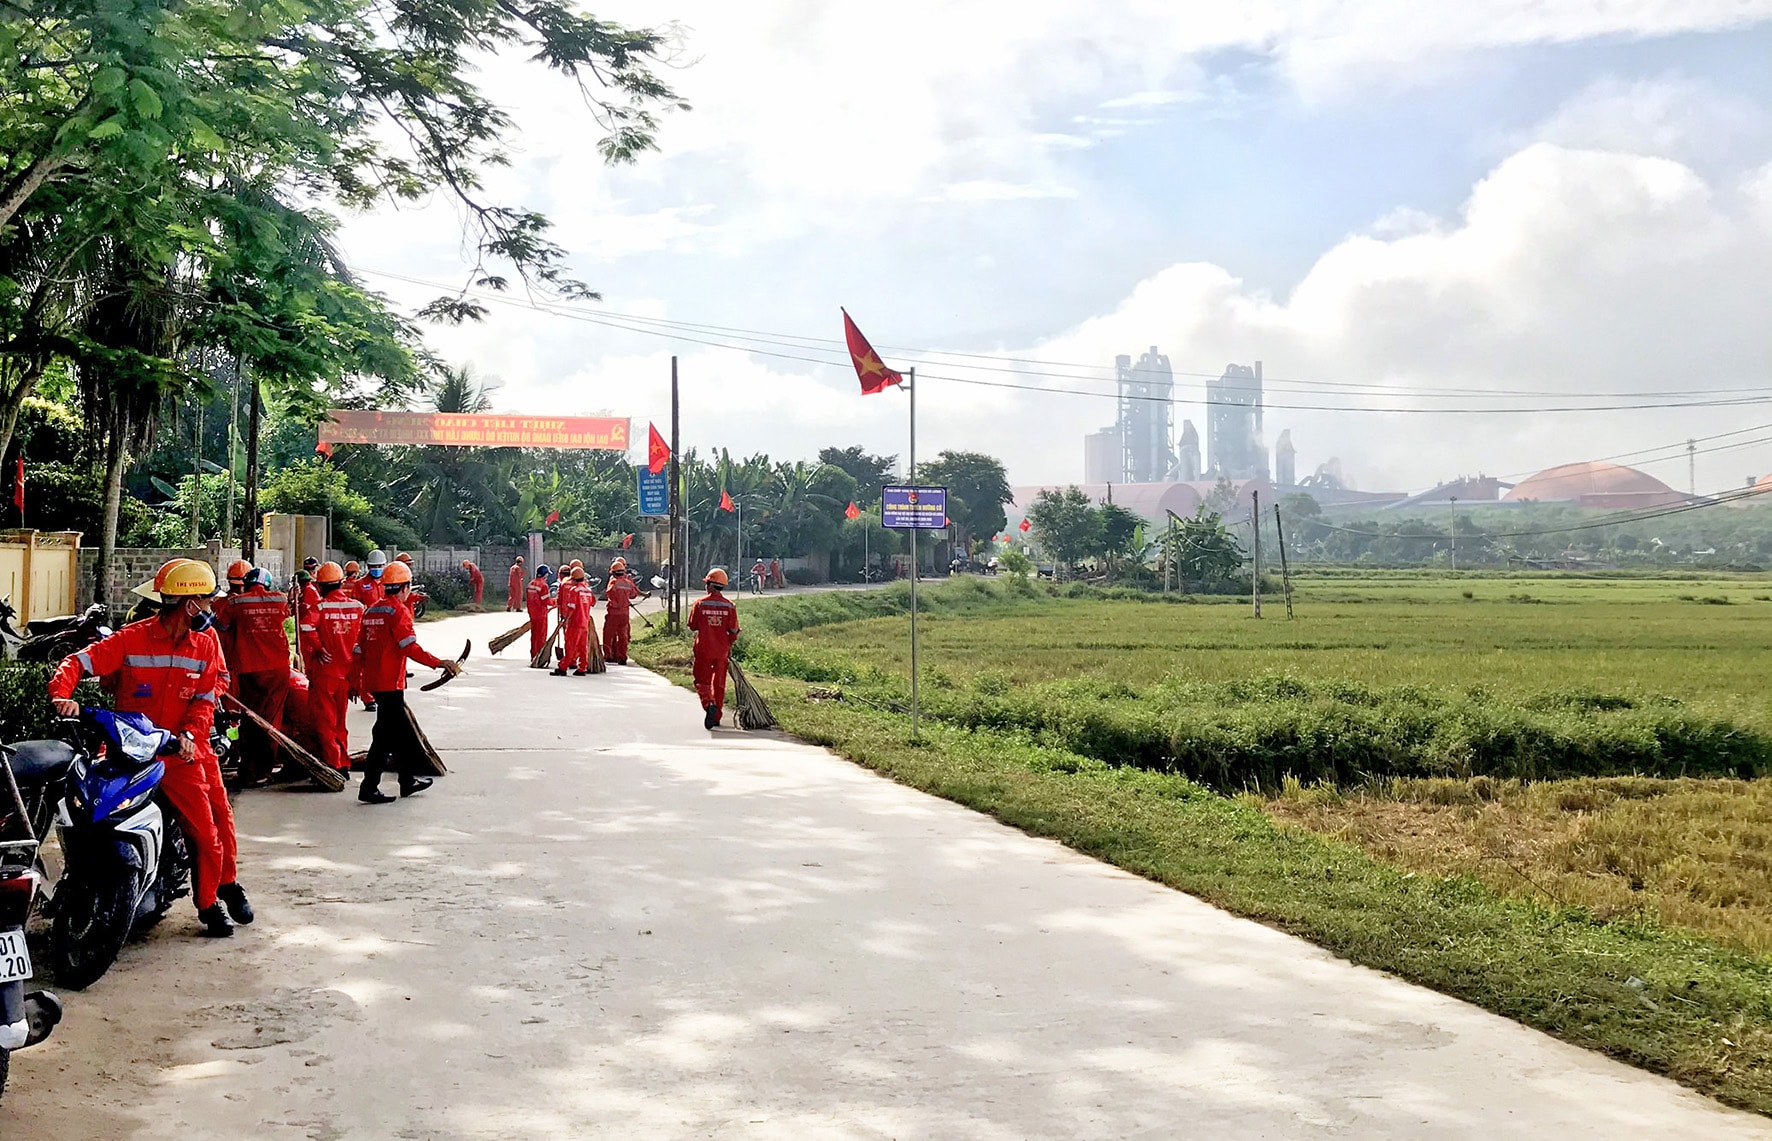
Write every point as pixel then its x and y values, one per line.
pixel 872 372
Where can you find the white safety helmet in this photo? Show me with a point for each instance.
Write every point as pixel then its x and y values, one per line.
pixel 378 558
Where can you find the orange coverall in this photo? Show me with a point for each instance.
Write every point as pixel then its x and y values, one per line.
pixel 715 622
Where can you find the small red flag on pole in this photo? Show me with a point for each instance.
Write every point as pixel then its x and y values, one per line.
pixel 323 449
pixel 627 541
pixel 869 369
pixel 18 487
pixel 1025 526
pixel 658 453
pixel 553 518
pixel 725 500
pixel 852 511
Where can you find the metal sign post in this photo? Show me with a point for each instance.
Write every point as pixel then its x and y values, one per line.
pixel 913 508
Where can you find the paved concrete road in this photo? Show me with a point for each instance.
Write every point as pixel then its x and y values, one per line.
pixel 608 922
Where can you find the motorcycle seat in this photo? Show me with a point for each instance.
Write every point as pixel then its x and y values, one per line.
pixel 40 762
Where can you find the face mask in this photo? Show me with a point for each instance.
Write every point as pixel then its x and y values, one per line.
pixel 374 572
pixel 202 620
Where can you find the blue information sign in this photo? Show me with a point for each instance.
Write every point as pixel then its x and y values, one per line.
pixel 922 508
pixel 655 491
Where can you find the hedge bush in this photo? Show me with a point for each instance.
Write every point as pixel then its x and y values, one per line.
pixel 25 714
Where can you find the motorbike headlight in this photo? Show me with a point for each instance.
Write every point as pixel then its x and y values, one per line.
pixel 135 801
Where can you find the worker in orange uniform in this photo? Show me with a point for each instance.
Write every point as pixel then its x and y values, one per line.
pixel 304 597
pixel 261 650
pixel 169 668
pixel 237 572
pixel 540 600
pixel 386 644
pixel 333 666
pixel 515 601
pixel 369 590
pixel 475 580
pixel 714 619
pixel 618 595
pixel 575 602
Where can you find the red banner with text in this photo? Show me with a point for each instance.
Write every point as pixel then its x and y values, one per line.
pixel 486 430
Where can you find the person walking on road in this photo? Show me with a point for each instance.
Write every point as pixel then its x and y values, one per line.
pixel 333 666
pixel 170 669
pixel 619 595
pixel 775 576
pixel 515 582
pixel 384 647
pixel 540 599
pixel 575 605
pixel 714 619
pixel 475 580
pixel 261 648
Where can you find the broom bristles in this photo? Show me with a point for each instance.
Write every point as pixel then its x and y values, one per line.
pixel 753 711
pixel 503 641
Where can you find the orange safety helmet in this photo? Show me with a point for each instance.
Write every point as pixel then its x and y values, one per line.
pixel 396 574
pixel 329 572
pixel 578 574
pixel 179 578
pixel 575 565
pixel 403 557
pixel 716 577
pixel 353 567
pixel 620 564
pixel 237 570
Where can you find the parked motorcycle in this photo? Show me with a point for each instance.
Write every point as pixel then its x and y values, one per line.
pixel 420 598
pixel 127 858
pixel 26 1017
pixel 52 639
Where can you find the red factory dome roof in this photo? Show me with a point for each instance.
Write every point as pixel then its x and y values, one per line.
pixel 1595 484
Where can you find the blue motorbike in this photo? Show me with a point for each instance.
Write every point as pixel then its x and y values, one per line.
pixel 125 856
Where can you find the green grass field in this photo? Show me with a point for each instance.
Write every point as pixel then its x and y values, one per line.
pixel 1539 793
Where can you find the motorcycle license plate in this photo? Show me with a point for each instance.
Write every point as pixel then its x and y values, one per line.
pixel 15 959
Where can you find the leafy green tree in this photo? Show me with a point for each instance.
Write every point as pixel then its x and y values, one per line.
pixel 1202 549
pixel 981 487
pixel 870 472
pixel 1066 525
pixel 315 487
pixel 1121 532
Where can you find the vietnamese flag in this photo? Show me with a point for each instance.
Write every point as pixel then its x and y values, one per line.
pixel 1025 526
pixel 18 486
pixel 658 453
pixel 553 518
pixel 852 511
pixel 873 374
pixel 627 540
pixel 725 500
pixel 323 449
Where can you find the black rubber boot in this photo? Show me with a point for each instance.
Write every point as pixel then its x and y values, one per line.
pixel 234 896
pixel 561 672
pixel 215 922
pixel 711 716
pixel 581 673
pixel 370 794
pixel 412 786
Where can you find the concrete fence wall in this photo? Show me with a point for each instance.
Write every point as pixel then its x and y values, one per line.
pixel 132 566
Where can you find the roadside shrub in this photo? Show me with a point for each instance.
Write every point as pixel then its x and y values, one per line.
pixel 450 589
pixel 802 576
pixel 25 714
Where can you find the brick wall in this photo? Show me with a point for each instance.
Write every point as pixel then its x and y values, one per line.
pixel 132 566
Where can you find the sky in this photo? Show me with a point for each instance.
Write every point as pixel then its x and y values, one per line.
pixel 1457 236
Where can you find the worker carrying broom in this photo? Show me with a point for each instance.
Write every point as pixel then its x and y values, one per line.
pixel 575 604
pixel 540 600
pixel 619 595
pixel 385 645
pixel 714 619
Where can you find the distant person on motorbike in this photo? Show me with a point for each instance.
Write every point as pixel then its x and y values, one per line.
pixel 169 668
pixel 759 576
pixel 387 642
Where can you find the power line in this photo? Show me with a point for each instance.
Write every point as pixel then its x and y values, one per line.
pixel 628 324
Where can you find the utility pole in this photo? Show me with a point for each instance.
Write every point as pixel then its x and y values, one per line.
pixel 1255 516
pixel 674 620
pixel 233 448
pixel 1692 467
pixel 1285 569
pixel 249 534
pixel 1455 534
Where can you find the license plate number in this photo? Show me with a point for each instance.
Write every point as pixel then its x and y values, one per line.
pixel 15 959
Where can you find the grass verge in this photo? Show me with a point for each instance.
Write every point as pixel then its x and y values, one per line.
pixel 1682 1006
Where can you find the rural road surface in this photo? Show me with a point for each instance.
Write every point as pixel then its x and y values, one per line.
pixel 609 923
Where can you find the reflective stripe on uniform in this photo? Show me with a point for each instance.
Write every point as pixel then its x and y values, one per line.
pixel 85 661
pixel 160 662
pixel 407 641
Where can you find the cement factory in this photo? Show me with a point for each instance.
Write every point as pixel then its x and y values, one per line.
pixel 1142 462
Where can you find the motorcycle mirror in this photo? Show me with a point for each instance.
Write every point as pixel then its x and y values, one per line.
pixel 658 583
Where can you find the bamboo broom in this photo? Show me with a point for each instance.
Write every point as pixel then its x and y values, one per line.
pixel 503 641
pixel 753 711
pixel 545 659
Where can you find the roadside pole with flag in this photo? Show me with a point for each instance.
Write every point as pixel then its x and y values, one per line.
pixel 727 503
pixel 852 513
pixel 875 377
